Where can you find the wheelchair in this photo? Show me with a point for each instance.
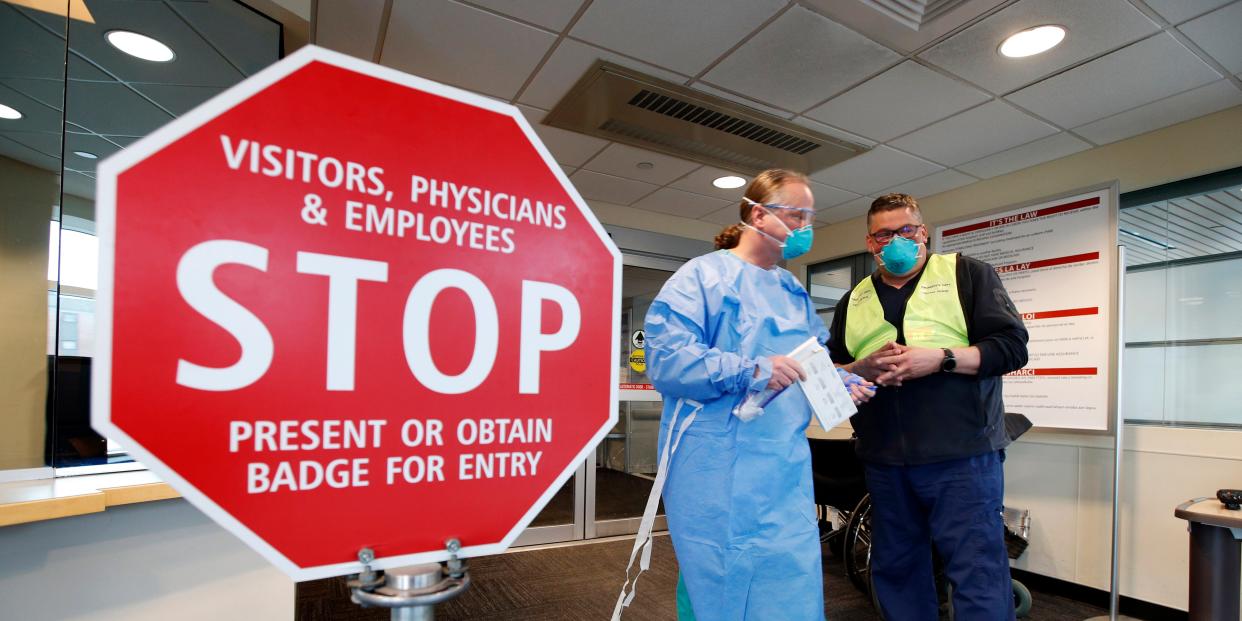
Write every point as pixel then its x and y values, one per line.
pixel 839 482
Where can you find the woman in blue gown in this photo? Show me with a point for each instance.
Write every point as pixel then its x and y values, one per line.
pixel 738 495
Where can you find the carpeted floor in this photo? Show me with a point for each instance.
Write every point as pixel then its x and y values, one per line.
pixel 581 582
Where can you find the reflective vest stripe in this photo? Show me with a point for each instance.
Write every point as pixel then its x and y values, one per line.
pixel 933 318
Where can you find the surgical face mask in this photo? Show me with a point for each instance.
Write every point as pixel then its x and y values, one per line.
pixel 900 256
pixel 797 241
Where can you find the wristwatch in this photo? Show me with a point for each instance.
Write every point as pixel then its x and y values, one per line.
pixel 949 363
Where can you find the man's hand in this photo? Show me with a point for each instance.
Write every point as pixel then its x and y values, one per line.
pixel 871 367
pixel 785 371
pixel 907 363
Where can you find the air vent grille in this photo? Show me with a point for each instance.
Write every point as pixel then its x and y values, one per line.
pixel 619 104
pixel 621 128
pixel 687 111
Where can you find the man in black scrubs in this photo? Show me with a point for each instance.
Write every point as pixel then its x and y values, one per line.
pixel 937 332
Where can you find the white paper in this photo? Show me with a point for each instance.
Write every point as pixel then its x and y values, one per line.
pixel 829 398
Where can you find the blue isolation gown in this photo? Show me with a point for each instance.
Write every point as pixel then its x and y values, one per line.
pixel 738 495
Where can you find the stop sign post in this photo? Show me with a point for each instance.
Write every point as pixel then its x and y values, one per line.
pixel 342 307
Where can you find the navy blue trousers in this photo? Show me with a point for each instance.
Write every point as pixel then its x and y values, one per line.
pixel 956 505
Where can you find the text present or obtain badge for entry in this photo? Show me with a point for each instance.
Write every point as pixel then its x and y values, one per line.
pixel 829 398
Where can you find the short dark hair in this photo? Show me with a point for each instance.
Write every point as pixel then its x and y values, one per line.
pixel 893 202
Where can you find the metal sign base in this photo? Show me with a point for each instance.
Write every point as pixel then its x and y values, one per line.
pixel 411 592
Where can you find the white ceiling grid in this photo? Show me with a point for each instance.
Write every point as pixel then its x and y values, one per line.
pixel 114 99
pixel 938 117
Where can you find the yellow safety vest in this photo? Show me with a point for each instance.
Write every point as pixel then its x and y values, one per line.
pixel 934 316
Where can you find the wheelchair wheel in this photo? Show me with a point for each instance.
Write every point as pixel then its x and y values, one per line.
pixel 857 546
pixel 1021 599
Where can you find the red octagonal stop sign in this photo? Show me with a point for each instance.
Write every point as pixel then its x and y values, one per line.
pixel 344 307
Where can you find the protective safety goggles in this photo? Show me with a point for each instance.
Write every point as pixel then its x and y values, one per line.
pixel 802 216
pixel 883 236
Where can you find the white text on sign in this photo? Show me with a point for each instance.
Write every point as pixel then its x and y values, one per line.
pixel 195 273
pixel 295 475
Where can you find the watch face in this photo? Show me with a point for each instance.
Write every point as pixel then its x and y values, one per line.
pixel 949 364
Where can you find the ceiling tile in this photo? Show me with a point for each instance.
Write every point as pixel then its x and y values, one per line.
pixel 82 69
pixel 878 168
pixel 553 14
pixel 247 39
pixel 723 94
pixel 1218 34
pixel 1182 107
pixel 1133 76
pixel 567 64
pixel 841 213
pixel 177 99
pixel 113 109
pixel 827 196
pixel 700 181
pixel 567 147
pixel 1025 156
pixel 932 184
pixel 724 217
pixel 990 128
pixel 426 38
pixel 78 184
pixel 28 50
pixel 610 189
pixel 17 150
pixel 36 116
pixel 799 60
pixel 1094 27
pixel 569 170
pixel 679 203
pixel 89 143
pixel 351 28
pixel 835 132
pixel 1178 11
pixel 897 101
pixel 622 160
pixel 49 92
pixel 197 62
pixel 685 36
pixel 46 143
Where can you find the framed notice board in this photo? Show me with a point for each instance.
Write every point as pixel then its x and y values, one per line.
pixel 1058 260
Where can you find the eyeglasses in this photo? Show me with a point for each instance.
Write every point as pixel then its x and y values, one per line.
pixel 883 236
pixel 803 215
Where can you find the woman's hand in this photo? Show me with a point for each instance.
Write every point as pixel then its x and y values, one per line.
pixel 785 371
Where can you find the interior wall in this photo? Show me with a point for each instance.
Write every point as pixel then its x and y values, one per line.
pixel 144 562
pixel 27 198
pixel 1065 479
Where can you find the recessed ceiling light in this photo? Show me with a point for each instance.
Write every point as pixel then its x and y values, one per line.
pixel 9 113
pixel 645 165
pixel 1032 41
pixel 140 46
pixel 86 154
pixel 729 182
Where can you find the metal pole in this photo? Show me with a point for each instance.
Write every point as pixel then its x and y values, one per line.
pixel 413 578
pixel 1114 596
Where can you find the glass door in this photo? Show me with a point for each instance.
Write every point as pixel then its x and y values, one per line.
pixel 624 464
pixel 608 494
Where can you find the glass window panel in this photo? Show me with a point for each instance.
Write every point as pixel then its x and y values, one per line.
pixel 32 46
pixel 1183 296
pixel 113 99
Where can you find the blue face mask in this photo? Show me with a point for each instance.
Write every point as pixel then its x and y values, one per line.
pixel 797 241
pixel 900 255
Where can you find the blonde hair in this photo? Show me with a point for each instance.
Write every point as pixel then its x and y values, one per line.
pixel 762 190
